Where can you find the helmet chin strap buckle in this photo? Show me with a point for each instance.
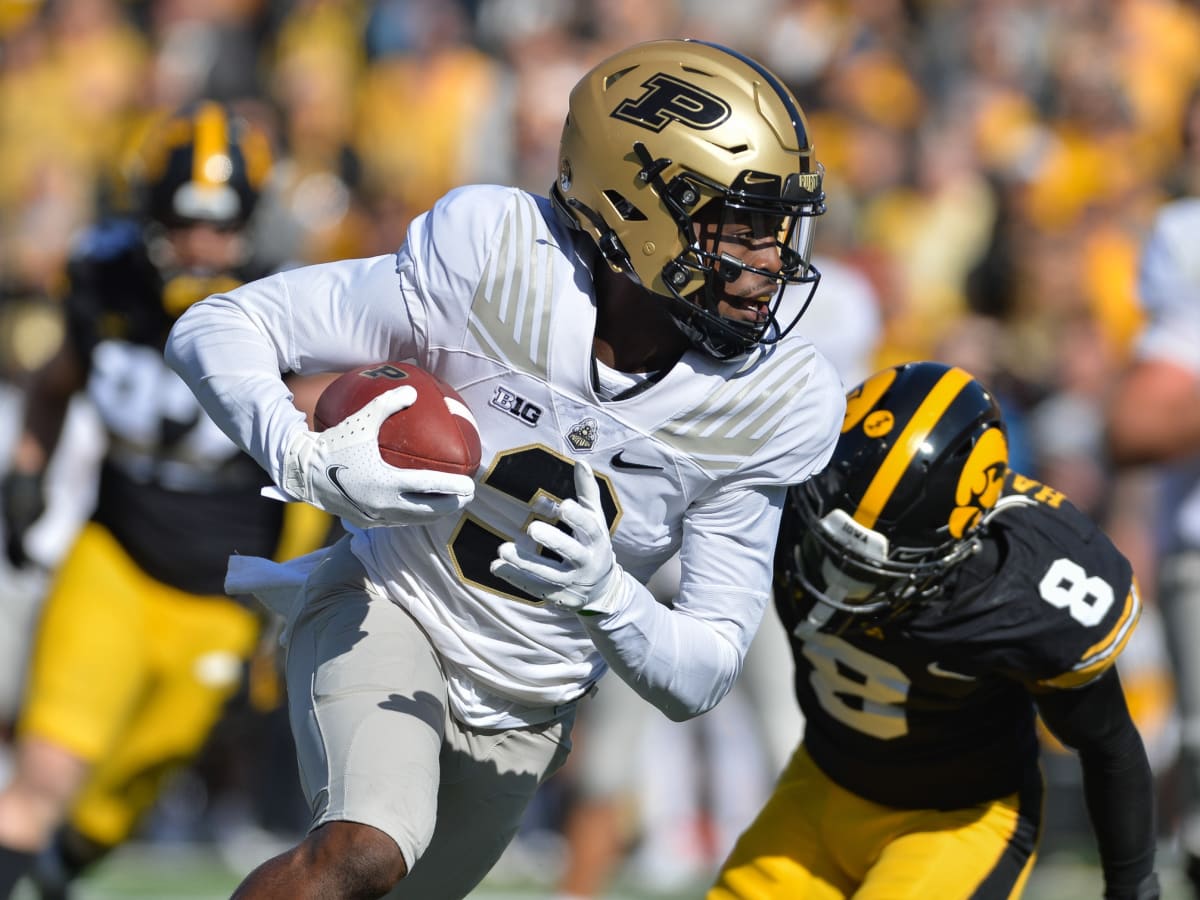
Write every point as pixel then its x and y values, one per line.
pixel 730 268
pixel 675 274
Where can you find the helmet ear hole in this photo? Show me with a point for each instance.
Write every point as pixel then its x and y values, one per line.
pixel 625 209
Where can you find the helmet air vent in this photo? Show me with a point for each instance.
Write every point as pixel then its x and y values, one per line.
pixel 625 209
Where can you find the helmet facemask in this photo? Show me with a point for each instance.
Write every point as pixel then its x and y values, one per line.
pixel 917 474
pixel 857 570
pixel 780 209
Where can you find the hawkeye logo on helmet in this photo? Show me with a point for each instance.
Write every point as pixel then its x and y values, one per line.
pixel 980 482
pixel 668 99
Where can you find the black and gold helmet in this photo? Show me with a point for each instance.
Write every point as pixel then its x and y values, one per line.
pixel 201 164
pixel 919 466
pixel 660 130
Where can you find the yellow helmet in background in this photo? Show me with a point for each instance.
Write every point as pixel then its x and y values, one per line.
pixel 203 163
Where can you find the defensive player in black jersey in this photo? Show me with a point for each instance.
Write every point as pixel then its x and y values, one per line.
pixel 936 602
pixel 137 650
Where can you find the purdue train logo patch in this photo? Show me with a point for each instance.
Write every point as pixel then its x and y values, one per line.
pixel 582 435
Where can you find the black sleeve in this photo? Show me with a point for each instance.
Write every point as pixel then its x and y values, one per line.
pixel 1117 782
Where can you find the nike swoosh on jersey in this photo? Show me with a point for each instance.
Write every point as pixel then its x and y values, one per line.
pixel 331 472
pixel 620 462
pixel 937 671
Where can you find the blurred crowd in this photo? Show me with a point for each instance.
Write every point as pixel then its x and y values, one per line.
pixel 992 167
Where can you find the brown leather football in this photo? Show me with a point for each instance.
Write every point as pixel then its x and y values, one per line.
pixel 436 432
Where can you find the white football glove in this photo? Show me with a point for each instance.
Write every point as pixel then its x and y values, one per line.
pixel 340 471
pixel 587 578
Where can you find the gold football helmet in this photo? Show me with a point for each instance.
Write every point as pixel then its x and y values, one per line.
pixel 917 472
pixel 660 130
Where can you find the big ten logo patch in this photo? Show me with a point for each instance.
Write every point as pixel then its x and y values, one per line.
pixel 516 406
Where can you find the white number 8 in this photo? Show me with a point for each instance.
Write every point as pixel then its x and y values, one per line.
pixel 1086 597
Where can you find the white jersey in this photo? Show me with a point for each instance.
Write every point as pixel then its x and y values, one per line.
pixel 1169 287
pixel 494 294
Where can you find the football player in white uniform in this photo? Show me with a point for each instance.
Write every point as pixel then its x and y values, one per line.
pixel 1155 418
pixel 626 346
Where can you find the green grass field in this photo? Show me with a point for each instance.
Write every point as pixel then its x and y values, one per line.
pixel 189 872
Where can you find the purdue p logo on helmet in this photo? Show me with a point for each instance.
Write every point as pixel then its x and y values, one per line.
pixel 656 133
pixel 669 99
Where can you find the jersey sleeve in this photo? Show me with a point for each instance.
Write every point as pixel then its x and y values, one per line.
pixel 1069 602
pixel 232 348
pixel 113 290
pixel 685 658
pixel 448 255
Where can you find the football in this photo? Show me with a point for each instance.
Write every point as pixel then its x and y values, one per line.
pixel 436 432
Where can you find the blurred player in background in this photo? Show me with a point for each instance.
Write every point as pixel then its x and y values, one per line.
pixel 137 649
pixel 937 601
pixel 1154 417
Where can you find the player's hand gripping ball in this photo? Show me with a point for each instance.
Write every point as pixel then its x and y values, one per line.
pixel 437 431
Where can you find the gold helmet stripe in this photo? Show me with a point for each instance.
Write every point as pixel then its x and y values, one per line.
pixel 896 463
pixel 211 140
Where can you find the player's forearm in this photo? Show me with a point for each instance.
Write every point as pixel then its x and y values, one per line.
pixel 1150 436
pixel 1154 415
pixel 682 664
pixel 1117 780
pixel 233 370
pixel 1119 789
pixel 47 395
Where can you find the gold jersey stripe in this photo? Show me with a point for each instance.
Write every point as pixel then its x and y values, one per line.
pixel 510 312
pixel 211 139
pixel 739 416
pixel 1133 607
pixel 1103 653
pixel 896 463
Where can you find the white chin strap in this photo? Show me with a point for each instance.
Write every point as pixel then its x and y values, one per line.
pixel 866 542
pixel 838 587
